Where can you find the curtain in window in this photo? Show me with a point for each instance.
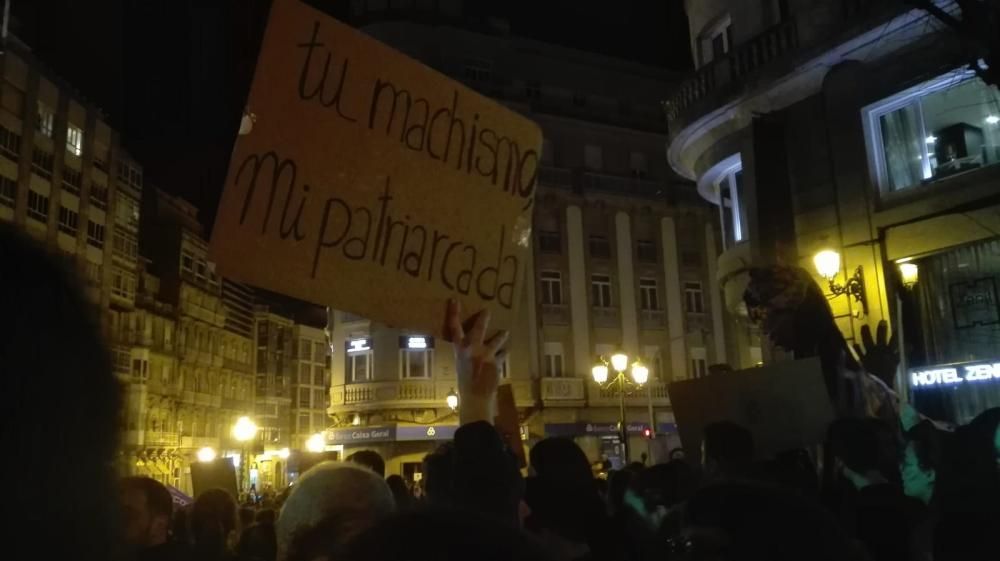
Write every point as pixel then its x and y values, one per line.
pixel 901 147
pixel 954 296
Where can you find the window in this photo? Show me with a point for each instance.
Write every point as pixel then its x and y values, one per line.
pixel 593 157
pixel 553 353
pixel 10 143
pixel 304 395
pixel 318 375
pixel 95 234
pixel 187 262
pixel 303 427
pixel 69 221
pixel 646 251
pixel 126 210
pixel 699 362
pixel 126 244
pixel 140 369
pixel 600 291
pixel 38 206
pixel 551 288
pixel 319 399
pixel 694 302
pixel 415 363
pixel 41 163
pixel 122 283
pixel 129 174
pixel 8 191
pixel 716 41
pixel 648 294
pixel 74 140
pixel 533 89
pixel 46 120
pixel 359 364
pixel 99 196
pixel 935 130
pixel 728 188
pixel 319 352
pixel 637 163
pixel 550 242
pixel 477 70
pixel 599 247
pixel 72 180
pixel 653 360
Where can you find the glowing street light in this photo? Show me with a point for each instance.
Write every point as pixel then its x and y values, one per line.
pixel 452 399
pixel 316 443
pixel 244 430
pixel 206 455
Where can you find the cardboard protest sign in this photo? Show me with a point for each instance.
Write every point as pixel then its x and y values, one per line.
pixel 785 405
pixel 372 184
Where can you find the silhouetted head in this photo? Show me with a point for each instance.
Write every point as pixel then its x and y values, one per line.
pixel 727 449
pixel 214 524
pixel 147 511
pixel 330 504
pixel 370 459
pixel 63 487
pixel 560 458
pixel 439 474
pixel 400 492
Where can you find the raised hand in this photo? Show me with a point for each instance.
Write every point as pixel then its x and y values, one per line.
pixel 475 362
pixel 880 356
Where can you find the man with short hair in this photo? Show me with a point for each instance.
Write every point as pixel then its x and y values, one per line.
pixel 147 509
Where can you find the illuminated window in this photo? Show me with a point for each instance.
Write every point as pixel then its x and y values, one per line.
pixel 359 360
pixel 934 130
pixel 74 140
pixel 699 362
pixel 729 190
pixel 46 120
pixel 553 361
pixel 416 356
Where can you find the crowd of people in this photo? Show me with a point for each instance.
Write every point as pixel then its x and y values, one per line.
pixel 880 487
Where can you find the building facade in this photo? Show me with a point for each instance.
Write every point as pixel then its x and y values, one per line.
pixel 859 128
pixel 619 258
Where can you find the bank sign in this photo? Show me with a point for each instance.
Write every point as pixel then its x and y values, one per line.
pixel 955 374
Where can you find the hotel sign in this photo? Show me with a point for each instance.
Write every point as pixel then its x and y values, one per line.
pixel 954 374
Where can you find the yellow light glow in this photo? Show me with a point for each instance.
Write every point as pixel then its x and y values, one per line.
pixel 316 443
pixel 356 421
pixel 827 263
pixel 284 453
pixel 619 361
pixel 600 373
pixel 452 400
pixel 640 374
pixel 909 272
pixel 206 454
pixel 244 430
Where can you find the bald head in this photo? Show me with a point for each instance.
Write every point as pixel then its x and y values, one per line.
pixel 330 504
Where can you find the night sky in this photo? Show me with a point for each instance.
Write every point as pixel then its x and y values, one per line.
pixel 172 75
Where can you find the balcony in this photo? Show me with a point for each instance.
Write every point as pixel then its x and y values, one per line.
pixel 402 393
pixel 565 391
pixel 605 317
pixel 164 439
pixel 555 314
pixel 634 397
pixel 652 319
pixel 625 185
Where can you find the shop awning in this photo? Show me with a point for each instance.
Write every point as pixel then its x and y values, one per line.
pixel 390 433
pixel 602 429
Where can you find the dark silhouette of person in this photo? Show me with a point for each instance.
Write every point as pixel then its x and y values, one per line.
pixel 214 526
pixel 400 492
pixel 62 492
pixel 147 512
pixel 370 459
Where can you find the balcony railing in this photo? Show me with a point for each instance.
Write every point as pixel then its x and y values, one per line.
pixel 652 319
pixel 605 317
pixel 634 396
pixel 562 389
pixel 410 392
pixel 555 314
pixel 729 72
pixel 161 439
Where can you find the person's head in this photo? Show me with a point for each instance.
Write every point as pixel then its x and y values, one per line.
pixel 855 446
pixel 370 459
pixel 400 492
pixel 922 455
pixel 439 472
pixel 560 458
pixel 147 509
pixel 330 504
pixel 727 449
pixel 214 523
pixel 440 535
pixel 54 356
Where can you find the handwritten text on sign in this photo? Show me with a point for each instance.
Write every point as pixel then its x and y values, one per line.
pixel 372 184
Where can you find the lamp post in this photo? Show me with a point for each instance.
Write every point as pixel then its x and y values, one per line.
pixel 244 431
pixel 619 363
pixel 452 400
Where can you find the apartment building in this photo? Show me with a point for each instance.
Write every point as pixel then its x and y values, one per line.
pixel 859 140
pixel 624 257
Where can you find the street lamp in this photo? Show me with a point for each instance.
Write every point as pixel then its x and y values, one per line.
pixel 827 264
pixel 316 443
pixel 452 399
pixel 619 363
pixel 244 431
pixel 206 455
